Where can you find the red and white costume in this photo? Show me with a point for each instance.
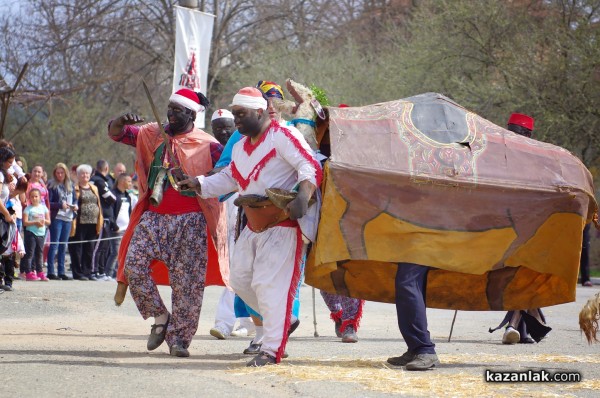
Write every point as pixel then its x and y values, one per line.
pixel 265 267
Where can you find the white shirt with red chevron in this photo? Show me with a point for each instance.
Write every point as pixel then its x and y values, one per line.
pixel 280 159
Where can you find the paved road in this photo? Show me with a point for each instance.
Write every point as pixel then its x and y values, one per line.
pixel 67 339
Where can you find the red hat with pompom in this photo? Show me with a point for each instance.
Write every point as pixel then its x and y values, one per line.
pixel 186 98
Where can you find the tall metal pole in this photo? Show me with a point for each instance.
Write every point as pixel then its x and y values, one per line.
pixel 188 3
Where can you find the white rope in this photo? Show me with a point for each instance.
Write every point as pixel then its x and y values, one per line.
pixel 80 241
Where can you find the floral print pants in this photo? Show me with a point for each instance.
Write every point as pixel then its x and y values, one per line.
pixel 345 309
pixel 179 241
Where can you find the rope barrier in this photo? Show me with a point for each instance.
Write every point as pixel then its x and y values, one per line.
pixel 81 241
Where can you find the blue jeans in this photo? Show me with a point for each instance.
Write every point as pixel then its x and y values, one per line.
pixel 59 232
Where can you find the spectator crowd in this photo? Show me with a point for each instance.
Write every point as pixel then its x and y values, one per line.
pixel 79 210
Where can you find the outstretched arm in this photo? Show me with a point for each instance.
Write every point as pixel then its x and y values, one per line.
pixel 209 187
pixel 122 128
pixel 116 126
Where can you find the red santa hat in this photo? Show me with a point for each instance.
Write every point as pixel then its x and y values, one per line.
pixel 521 120
pixel 221 114
pixel 249 97
pixel 186 98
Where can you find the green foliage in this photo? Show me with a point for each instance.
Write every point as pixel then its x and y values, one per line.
pixel 344 71
pixel 539 57
pixel 495 58
pixel 320 95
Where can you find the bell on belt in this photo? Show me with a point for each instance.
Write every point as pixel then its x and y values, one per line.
pixel 159 188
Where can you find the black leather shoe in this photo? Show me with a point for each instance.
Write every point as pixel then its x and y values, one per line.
pixel 402 360
pixel 252 349
pixel 63 277
pixel 293 327
pixel 156 339
pixel 177 350
pixel 262 359
pixel 527 339
pixel 52 277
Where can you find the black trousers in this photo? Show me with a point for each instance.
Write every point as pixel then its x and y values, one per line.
pixel 410 307
pixel 82 253
pixel 102 250
pixel 584 261
pixel 34 253
pixel 7 269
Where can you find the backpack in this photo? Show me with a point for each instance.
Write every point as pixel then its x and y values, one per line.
pixel 7 234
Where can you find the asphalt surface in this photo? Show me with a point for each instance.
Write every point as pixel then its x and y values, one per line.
pixel 68 339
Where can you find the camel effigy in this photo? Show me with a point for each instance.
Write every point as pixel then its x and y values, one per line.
pixel 306 110
pixel 498 216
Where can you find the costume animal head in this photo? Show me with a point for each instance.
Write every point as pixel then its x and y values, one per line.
pixel 304 110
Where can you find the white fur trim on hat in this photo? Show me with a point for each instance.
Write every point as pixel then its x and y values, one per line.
pixel 221 114
pixel 249 97
pixel 185 98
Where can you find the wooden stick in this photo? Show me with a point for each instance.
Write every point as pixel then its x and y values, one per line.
pixel 452 327
pixel 316 334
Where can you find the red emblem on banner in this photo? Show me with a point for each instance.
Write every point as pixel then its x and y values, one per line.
pixel 191 78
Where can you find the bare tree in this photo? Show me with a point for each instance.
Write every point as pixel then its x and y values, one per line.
pixel 539 57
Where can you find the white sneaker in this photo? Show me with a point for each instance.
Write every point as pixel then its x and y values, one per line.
pixel 240 332
pixel 105 278
pixel 511 336
pixel 218 333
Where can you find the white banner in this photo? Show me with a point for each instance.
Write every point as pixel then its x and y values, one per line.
pixel 192 49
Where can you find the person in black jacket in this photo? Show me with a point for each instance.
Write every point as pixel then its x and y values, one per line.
pixel 107 199
pixel 122 210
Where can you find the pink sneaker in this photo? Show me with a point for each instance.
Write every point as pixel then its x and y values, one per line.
pixel 22 276
pixel 31 277
pixel 42 276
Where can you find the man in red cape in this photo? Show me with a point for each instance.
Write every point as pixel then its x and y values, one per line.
pixel 180 241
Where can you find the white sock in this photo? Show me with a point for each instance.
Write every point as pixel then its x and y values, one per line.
pixel 259 335
pixel 246 323
pixel 293 319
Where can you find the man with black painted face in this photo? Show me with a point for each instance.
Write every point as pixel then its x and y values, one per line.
pixel 222 125
pixel 268 253
pixel 173 231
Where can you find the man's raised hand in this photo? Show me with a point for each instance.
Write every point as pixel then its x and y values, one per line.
pixel 131 118
pixel 116 126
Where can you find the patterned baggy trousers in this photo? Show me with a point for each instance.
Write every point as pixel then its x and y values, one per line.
pixel 180 242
